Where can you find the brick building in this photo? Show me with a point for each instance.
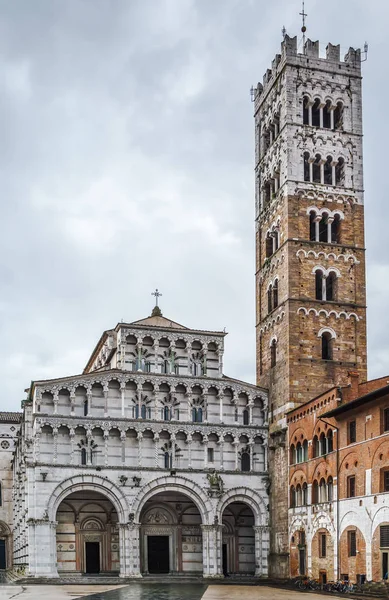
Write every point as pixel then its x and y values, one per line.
pixel 310 266
pixel 339 483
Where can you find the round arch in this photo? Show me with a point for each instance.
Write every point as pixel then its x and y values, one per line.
pixel 180 485
pixel 247 496
pixel 88 482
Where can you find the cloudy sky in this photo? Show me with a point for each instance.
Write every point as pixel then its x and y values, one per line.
pixel 126 163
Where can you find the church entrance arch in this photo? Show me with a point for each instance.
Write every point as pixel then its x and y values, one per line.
pixel 5 546
pixel 171 534
pixel 87 534
pixel 238 551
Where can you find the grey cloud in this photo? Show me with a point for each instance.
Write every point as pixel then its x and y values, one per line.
pixel 126 163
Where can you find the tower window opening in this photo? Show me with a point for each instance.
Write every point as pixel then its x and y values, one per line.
pixel 292 455
pixel 305 494
pixel 319 285
pixel 307 168
pixel 316 175
pixel 85 407
pixel 339 172
pixel 267 191
pixel 330 441
pixel 330 489
pixel 326 346
pixel 245 462
pixel 246 417
pixel 330 287
pixel 273 353
pixel 305 450
pixel 335 230
pixel 270 299
pixel 316 447
pixel 328 180
pixel 83 456
pixel 292 497
pixel 338 116
pixel 306 110
pixel 315 492
pixel 312 226
pixel 275 294
pixel 323 228
pixel 316 113
pixel 323 444
pixel 327 115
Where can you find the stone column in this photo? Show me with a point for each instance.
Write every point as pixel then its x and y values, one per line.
pixel 250 406
pixel 140 437
pixel 205 442
pixel 129 550
pixel 251 449
pixel 42 544
pixel 332 116
pixel 37 444
pixel 189 352
pixel 106 441
pixel 221 453
pixel 123 394
pixel 236 444
pixel 55 400
pixel 72 403
pixel 105 392
pixel 71 436
pixel 135 546
pixel 329 227
pixel 123 438
pixel 221 406
pixel 156 449
pixel 173 441
pixel 55 444
pixel 317 227
pixel 261 537
pixel 220 355
pixel 156 357
pixel 189 442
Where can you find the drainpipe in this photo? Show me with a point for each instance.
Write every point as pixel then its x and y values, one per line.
pixel 337 495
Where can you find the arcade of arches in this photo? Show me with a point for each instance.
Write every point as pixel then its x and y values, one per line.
pixel 170 536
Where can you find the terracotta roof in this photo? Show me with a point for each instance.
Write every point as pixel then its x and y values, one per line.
pixel 10 417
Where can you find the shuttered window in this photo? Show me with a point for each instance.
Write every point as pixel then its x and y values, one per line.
pixel 384 536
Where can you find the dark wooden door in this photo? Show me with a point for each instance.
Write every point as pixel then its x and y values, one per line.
pixel 225 560
pixel 158 553
pixel 3 564
pixel 92 558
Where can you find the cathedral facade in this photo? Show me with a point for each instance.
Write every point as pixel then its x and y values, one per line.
pixel 150 461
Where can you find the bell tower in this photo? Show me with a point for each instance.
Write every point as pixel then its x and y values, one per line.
pixel 310 258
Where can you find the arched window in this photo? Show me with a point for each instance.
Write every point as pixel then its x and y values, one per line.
pixel 322 491
pixel 299 453
pixel 299 497
pixel 199 415
pixel 166 413
pixel 269 245
pixel 323 228
pixel 338 116
pixel 307 168
pixel 292 455
pixel 270 298
pixel 315 492
pixel 275 294
pixel 85 407
pixel 330 490
pixel 276 239
pixel 330 286
pixel 316 113
pixel 83 456
pixel 306 110
pixel 330 441
pixel 91 456
pixel 165 366
pixel 292 497
pixel 316 447
pixel 328 171
pixel 273 354
pixel 305 494
pixel 143 411
pixel 335 230
pixel 326 346
pixel 323 444
pixel 316 170
pixel 305 450
pixel 245 462
pixel 327 115
pixel 167 460
pixel 339 172
pixel 194 415
pixel 246 417
pixel 312 226
pixel 319 285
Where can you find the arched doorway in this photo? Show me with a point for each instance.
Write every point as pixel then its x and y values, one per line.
pixel 87 535
pixel 5 546
pixel 171 535
pixel 238 546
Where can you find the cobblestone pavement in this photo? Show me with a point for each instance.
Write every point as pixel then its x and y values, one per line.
pixel 150 591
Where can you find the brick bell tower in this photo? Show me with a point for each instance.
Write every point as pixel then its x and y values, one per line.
pixel 310 260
